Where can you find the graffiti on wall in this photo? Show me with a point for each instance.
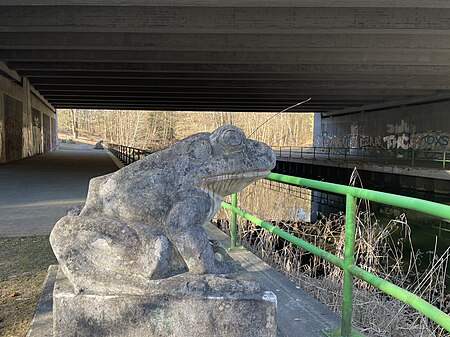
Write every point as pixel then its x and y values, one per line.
pixel 2 135
pixel 431 139
pixel 36 119
pixel 404 136
pixel 371 142
pixel 47 133
pixel 54 134
pixel 337 141
pixel 353 141
pixel 13 128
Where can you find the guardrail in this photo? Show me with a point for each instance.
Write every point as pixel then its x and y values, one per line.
pixel 409 157
pixel 127 154
pixel 347 264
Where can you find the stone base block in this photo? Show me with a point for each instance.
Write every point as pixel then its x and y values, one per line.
pixel 211 306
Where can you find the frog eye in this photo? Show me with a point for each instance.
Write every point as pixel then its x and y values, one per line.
pixel 227 138
pixel 232 138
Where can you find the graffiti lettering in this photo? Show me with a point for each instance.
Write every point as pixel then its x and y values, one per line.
pixel 417 141
pixel 435 140
pixel 391 141
pixel 374 142
pixel 403 127
pixel 404 136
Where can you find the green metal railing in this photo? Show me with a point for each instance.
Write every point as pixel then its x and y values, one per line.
pixel 347 263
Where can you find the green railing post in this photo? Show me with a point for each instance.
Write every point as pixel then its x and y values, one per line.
pixel 349 260
pixel 233 229
pixel 443 161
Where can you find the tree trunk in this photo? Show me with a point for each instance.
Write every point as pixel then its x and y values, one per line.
pixel 74 124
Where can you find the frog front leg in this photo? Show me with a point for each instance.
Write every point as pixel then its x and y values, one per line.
pixel 185 230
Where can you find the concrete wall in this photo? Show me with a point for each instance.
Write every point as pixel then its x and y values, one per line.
pixel 425 126
pixel 27 125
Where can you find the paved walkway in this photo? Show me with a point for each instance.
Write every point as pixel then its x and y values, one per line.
pixel 35 192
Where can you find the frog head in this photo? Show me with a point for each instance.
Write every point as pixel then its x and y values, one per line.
pixel 225 161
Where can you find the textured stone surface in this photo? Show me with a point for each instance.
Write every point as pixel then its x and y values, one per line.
pixel 145 221
pixel 210 306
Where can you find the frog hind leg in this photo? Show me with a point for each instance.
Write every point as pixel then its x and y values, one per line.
pixel 106 256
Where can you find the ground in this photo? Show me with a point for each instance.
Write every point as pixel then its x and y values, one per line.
pixel 23 267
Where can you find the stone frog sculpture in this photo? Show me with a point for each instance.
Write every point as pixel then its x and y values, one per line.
pixel 145 221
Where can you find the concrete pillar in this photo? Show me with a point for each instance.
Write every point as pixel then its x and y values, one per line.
pixel 2 127
pixel 27 120
pixel 317 133
pixel 42 133
pixel 56 131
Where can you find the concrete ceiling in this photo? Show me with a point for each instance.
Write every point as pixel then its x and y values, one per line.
pixel 229 55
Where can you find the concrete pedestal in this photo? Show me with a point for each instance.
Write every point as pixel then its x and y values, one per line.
pixel 184 306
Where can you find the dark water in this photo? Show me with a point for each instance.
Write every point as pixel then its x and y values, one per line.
pixel 428 234
pixel 426 231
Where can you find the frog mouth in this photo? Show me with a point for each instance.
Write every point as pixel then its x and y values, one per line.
pixel 226 184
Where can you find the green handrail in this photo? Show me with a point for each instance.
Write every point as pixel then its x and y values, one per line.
pixel 424 206
pixel 347 264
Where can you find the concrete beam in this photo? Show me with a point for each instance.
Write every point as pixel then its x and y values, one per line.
pixel 218 101
pixel 257 80
pixel 306 56
pixel 315 68
pixel 237 3
pixel 338 100
pixel 43 77
pixel 237 91
pixel 392 104
pixel 260 19
pixel 183 107
pixel 38 95
pixel 220 42
pixel 304 83
pixel 5 70
pixel 193 106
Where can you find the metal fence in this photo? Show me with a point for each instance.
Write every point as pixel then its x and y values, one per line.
pixel 127 154
pixel 409 157
pixel 347 264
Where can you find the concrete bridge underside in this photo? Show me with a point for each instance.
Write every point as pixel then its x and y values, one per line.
pixel 238 55
pixel 348 56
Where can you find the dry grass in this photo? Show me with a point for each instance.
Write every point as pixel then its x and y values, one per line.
pixel 23 267
pixel 379 249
